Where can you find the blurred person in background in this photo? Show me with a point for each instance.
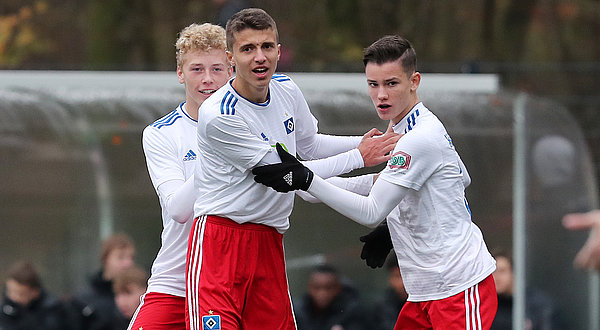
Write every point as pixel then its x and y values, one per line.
pixel 95 308
pixel 26 305
pixel 589 255
pixel 394 297
pixel 129 285
pixel 330 304
pixel 541 312
pixel 171 149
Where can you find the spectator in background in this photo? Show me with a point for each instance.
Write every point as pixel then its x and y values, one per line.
pixel 540 310
pixel 589 255
pixel 96 309
pixel 26 305
pixel 387 309
pixel 128 286
pixel 329 304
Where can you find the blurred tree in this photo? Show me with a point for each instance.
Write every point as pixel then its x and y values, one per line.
pixel 19 38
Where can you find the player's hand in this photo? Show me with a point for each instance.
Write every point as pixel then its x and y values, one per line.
pixel 286 176
pixel 375 147
pixel 378 244
pixel 589 255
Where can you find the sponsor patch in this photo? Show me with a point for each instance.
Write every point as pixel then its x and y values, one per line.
pixel 289 125
pixel 211 322
pixel 399 160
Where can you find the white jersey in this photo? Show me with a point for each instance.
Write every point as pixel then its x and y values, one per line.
pixel 234 134
pixel 171 154
pixel 441 252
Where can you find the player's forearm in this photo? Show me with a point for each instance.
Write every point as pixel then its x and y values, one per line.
pixel 336 165
pixel 179 198
pixel 365 210
pixel 322 145
pixel 357 184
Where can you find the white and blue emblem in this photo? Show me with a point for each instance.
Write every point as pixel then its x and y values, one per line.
pixel 191 155
pixel 289 125
pixel 211 322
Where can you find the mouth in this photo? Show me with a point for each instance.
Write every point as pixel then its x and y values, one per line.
pixel 260 71
pixel 384 106
pixel 207 91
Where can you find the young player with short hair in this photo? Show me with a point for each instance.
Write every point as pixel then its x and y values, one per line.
pixel 236 269
pixel 171 155
pixel 445 264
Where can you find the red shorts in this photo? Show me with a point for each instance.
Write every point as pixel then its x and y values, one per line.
pixel 159 311
pixel 472 309
pixel 236 277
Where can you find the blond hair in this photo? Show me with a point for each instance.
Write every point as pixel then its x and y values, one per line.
pixel 204 37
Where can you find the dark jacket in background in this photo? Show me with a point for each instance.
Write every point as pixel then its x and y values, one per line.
pixel 540 312
pixel 95 309
pixel 46 312
pixel 345 310
pixel 385 312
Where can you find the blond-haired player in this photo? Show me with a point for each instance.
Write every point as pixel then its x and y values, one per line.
pixel 170 148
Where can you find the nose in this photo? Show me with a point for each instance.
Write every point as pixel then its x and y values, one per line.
pixel 382 93
pixel 207 77
pixel 259 56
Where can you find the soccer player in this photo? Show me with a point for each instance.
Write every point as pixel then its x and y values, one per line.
pixel 171 152
pixel 444 261
pixel 236 269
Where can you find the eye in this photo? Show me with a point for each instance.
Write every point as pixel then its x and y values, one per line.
pixel 372 84
pixel 392 83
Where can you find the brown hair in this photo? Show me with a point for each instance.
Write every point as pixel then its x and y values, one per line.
pixel 249 18
pixel 24 273
pixel 114 242
pixel 132 275
pixel 390 48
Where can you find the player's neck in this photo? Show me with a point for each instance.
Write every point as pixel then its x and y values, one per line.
pixel 255 94
pixel 191 108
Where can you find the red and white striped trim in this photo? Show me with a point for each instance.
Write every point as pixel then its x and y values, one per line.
pixel 472 305
pixel 193 273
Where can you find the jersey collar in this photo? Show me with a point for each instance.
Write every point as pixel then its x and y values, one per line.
pixel 411 119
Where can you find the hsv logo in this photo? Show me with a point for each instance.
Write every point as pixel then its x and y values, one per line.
pixel 211 322
pixel 400 160
pixel 289 125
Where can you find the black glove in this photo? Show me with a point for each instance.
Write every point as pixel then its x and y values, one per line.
pixel 378 244
pixel 286 176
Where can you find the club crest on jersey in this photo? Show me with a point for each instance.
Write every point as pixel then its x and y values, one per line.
pixel 211 322
pixel 399 160
pixel 289 125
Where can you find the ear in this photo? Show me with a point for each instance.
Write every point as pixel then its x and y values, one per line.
pixel 278 51
pixel 415 81
pixel 230 58
pixel 180 75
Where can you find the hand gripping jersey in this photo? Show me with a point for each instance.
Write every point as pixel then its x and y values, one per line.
pixel 234 134
pixel 440 251
pixel 171 154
